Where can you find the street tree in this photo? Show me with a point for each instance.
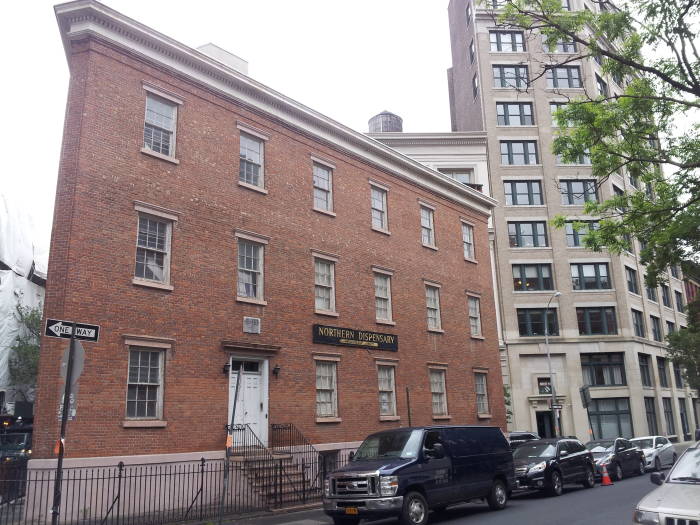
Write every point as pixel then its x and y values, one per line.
pixel 637 120
pixel 24 356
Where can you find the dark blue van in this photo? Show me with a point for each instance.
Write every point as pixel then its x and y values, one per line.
pixel 405 472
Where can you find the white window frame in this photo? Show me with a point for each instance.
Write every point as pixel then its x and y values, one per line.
pixel 428 308
pixel 135 346
pixel 174 102
pixel 468 245
pixel 474 312
pixel 427 229
pixel 330 169
pixel 331 262
pixel 333 363
pixel 391 392
pixel 256 137
pixel 443 409
pixel 383 274
pixel 168 217
pixel 482 397
pixel 261 242
pixel 384 211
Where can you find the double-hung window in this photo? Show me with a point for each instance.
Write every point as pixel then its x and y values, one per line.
pixel 382 296
pixel 144 398
pixel 468 240
pixel 650 409
pixel 553 108
pixel 378 202
pixel 652 294
pixel 564 77
pixel 251 161
pixel 632 281
pixel 670 327
pixel 565 46
pixel 602 86
pixel 514 114
pixel 323 187
pixel 507 41
pixel 159 125
pixel 603 369
pixel 432 304
pixel 668 415
pixel 663 374
pixel 575 236
pixel 674 271
pixel 523 193
pixel 510 76
pixel 680 306
pixel 531 322
pixel 324 284
pixel 532 277
pixel 666 295
pixel 584 159
pixel 326 389
pixel 153 249
pixel 482 394
pixel 427 226
pixel 527 234
pixel 438 392
pixel 645 369
pixel 387 390
pixel 678 376
pixel 578 192
pixel 656 334
pixel 638 323
pixel 250 270
pixel 519 152
pixel 594 276
pixel 475 316
pixel 596 320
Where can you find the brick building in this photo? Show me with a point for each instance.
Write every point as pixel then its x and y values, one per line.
pixel 228 210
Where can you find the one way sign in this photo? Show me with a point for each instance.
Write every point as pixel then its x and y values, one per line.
pixel 64 329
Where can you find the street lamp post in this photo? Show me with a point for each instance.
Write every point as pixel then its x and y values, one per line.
pixel 555 414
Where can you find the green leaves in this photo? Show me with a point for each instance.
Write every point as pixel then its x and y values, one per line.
pixel 24 358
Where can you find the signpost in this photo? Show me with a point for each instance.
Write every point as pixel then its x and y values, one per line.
pixel 71 368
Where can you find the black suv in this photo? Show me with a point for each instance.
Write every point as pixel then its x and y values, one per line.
pixel 548 464
pixel 620 456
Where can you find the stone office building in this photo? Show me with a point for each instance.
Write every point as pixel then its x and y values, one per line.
pixel 209 223
pixel 607 328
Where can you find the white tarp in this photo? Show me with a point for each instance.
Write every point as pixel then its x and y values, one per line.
pixel 16 231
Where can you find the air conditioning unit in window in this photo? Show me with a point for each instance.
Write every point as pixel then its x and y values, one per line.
pixel 251 325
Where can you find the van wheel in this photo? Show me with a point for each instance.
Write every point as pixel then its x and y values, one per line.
pixel 415 510
pixel 589 480
pixel 555 484
pixel 498 497
pixel 338 520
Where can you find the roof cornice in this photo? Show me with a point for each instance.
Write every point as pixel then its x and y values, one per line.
pixel 89 18
pixel 431 139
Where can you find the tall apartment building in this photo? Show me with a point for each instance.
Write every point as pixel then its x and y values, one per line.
pixel 607 327
pixel 210 224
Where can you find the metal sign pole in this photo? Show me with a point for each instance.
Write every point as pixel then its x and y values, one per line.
pixel 408 405
pixel 229 444
pixel 56 508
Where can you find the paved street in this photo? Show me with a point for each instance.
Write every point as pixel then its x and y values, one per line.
pixel 577 506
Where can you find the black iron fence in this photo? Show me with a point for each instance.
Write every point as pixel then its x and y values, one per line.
pixel 286 473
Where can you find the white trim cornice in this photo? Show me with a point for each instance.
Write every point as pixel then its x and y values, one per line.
pixel 89 18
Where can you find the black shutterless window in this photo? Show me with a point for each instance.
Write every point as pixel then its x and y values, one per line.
pixel 523 193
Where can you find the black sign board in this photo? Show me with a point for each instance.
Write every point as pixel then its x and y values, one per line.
pixel 334 335
pixel 63 329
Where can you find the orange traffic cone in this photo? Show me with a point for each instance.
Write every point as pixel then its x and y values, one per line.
pixel 605 481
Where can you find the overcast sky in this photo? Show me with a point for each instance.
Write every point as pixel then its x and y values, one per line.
pixel 348 60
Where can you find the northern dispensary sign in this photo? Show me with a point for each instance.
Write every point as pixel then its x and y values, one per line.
pixel 64 329
pixel 333 335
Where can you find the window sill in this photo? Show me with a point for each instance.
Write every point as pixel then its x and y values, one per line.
pixel 250 300
pixel 326 312
pixel 484 416
pixel 479 337
pixel 152 284
pixel 160 156
pixel 324 212
pixel 252 187
pixel 329 420
pixel 595 290
pixel 389 418
pixel 519 126
pixel 530 247
pixel 381 230
pixel 473 261
pixel 521 166
pixel 144 423
pixel 430 246
pixel 385 321
pixel 441 418
pixel 436 330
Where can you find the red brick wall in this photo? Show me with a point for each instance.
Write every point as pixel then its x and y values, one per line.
pixel 91 267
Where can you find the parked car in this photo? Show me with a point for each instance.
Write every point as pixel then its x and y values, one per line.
pixel 620 456
pixel 405 472
pixel 677 499
pixel 658 451
pixel 518 437
pixel 16 446
pixel 549 464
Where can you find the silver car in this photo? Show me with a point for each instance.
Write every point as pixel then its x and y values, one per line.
pixel 677 500
pixel 658 451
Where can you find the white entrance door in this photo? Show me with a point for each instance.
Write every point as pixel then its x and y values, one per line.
pixel 251 406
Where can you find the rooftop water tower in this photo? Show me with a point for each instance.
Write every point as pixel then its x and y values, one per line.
pixel 386 122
